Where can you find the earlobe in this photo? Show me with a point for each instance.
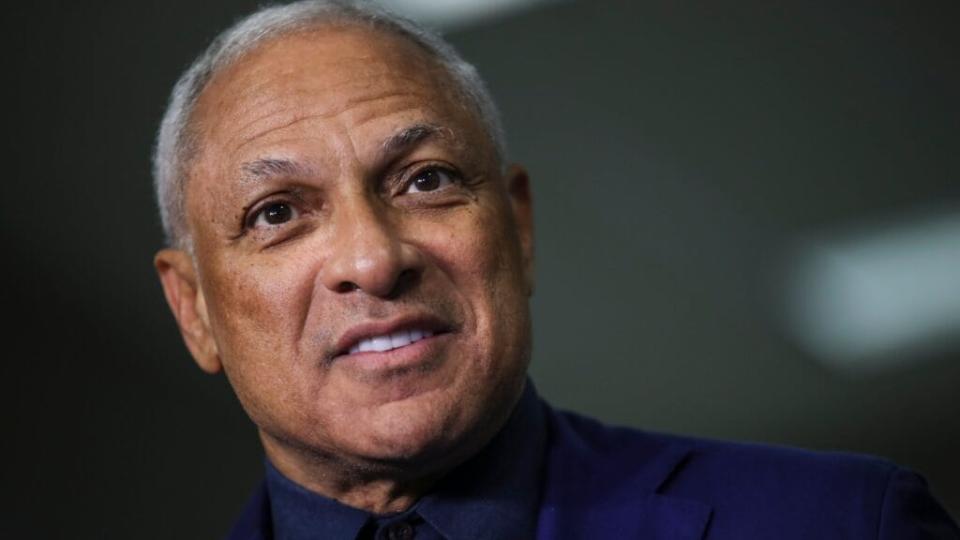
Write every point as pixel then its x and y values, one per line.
pixel 186 300
pixel 521 201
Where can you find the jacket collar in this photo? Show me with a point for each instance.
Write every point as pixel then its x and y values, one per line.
pixel 603 482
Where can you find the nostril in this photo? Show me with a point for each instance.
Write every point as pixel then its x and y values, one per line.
pixel 406 280
pixel 347 286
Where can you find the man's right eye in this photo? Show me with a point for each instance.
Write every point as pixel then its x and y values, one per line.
pixel 274 214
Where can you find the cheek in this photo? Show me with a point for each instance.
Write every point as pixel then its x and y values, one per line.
pixel 258 326
pixel 480 255
pixel 465 250
pixel 261 308
pixel 482 241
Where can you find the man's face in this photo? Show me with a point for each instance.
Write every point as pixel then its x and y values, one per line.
pixel 361 265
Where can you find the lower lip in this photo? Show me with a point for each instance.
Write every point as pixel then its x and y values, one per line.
pixel 417 354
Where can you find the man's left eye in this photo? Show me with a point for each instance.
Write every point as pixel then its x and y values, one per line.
pixel 274 214
pixel 429 180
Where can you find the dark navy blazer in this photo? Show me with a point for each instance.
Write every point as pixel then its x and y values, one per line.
pixel 601 482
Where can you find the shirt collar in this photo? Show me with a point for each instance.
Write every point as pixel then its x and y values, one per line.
pixel 495 494
pixel 300 514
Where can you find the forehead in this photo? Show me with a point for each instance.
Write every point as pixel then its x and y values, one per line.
pixel 346 73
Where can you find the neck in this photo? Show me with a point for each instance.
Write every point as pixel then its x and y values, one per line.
pixel 378 486
pixel 375 487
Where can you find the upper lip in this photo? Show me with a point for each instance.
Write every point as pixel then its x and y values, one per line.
pixel 359 332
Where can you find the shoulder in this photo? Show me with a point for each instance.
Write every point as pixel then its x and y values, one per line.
pixel 751 490
pixel 709 465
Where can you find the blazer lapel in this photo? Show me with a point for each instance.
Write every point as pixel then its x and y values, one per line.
pixel 603 483
pixel 656 517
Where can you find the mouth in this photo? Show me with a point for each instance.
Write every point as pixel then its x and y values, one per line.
pixel 389 336
pixel 388 342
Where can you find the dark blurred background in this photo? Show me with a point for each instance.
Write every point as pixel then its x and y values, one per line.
pixel 716 187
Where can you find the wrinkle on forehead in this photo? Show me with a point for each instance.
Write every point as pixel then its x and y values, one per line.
pixel 286 118
pixel 300 90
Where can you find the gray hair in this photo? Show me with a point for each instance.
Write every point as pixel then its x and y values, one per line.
pixel 176 141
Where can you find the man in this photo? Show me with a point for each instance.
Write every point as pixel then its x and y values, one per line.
pixel 347 245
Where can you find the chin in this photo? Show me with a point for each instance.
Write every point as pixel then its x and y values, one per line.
pixel 418 428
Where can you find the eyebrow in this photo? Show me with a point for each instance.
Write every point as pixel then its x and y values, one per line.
pixel 260 170
pixel 408 137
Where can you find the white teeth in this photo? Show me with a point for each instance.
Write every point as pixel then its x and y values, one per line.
pixel 390 341
pixel 400 339
pixel 381 343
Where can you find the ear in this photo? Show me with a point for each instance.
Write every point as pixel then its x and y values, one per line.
pixel 179 279
pixel 521 201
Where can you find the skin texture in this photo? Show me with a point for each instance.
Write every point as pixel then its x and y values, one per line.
pixel 297 132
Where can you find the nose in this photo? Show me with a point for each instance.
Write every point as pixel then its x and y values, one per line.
pixel 369 253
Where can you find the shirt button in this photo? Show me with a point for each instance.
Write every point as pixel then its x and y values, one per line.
pixel 400 531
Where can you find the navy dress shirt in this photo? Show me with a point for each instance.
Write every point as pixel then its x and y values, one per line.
pixel 495 494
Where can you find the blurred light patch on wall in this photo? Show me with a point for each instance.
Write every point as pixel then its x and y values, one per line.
pixel 869 298
pixel 451 14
